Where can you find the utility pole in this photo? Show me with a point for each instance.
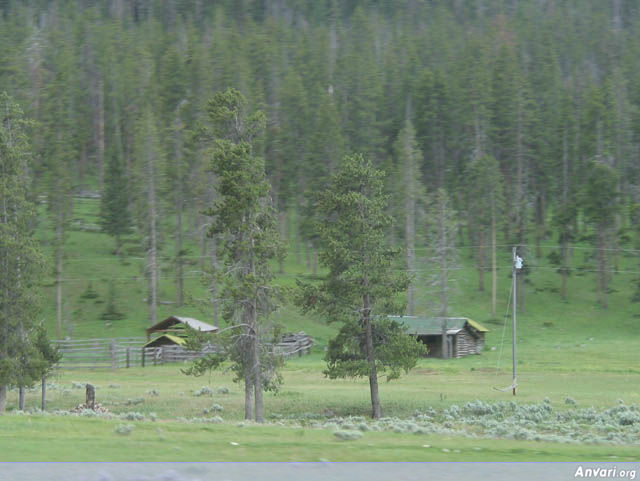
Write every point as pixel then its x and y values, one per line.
pixel 517 265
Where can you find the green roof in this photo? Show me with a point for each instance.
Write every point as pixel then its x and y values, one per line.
pixel 425 326
pixel 177 340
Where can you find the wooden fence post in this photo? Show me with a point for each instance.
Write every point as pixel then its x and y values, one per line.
pixel 91 397
pixel 143 357
pixel 21 396
pixel 113 355
pixel 128 357
pixel 44 393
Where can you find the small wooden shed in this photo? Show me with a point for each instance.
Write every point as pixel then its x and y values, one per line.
pixel 173 331
pixel 464 336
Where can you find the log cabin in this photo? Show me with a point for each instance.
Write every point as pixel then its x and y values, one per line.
pixel 464 336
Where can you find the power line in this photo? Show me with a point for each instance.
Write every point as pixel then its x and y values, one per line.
pixel 300 275
pixel 417 249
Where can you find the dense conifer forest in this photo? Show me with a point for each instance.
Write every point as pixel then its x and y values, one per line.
pixel 522 115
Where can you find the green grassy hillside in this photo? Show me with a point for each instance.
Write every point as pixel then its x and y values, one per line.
pixel 552 334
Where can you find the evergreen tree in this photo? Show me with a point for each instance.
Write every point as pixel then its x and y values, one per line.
pixel 441 233
pixel 244 219
pixel 601 204
pixel 326 148
pixel 408 160
pixel 114 203
pixel 25 354
pixel 178 172
pixel 290 156
pixel 362 286
pixel 486 203
pixel 151 158
pixel 58 149
pixel 434 125
pixel 111 313
pixel 359 88
pixel 566 214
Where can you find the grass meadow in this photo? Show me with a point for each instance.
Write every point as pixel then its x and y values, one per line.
pixel 171 423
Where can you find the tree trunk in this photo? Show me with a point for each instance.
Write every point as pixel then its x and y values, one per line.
pixel 179 188
pixel 373 374
pixel 3 398
pixel 410 222
pixel 5 313
pixel 100 132
pixel 541 214
pixel 21 398
pixel 314 260
pixel 444 272
pixel 255 344
pixel 203 242
pixel 59 255
pixel 153 254
pixel 520 215
pixel 564 242
pixel 616 245
pixel 296 237
pixel 494 271
pixel 307 252
pixel 44 393
pixel 213 288
pixel 481 260
pixel 443 279
pixel 283 236
pixel 411 268
pixel 128 147
pixel 333 41
pixel 617 15
pixel 82 165
pixel 602 285
pixel 257 374
pixel 179 266
pixel 479 135
pixel 179 253
pixel 445 345
pixel 564 270
pixel 248 396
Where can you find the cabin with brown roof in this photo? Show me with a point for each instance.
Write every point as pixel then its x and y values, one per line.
pixel 464 336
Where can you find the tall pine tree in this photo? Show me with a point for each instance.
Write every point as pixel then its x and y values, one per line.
pixel 362 286
pixel 24 352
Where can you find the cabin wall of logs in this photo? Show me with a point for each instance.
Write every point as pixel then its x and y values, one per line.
pixel 466 344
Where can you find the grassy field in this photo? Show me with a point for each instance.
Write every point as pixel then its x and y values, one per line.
pixel 568 351
pixel 301 416
pixel 436 384
pixel 44 439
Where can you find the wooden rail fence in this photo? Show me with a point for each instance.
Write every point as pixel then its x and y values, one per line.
pixel 100 353
pixel 124 352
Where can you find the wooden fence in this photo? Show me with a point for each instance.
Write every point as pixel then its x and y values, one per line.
pixel 124 352
pixel 290 345
pixel 100 353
